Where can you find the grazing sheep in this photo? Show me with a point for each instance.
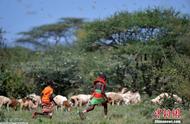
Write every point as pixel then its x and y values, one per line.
pixel 131 97
pixel 62 101
pixel 27 103
pixel 134 97
pixel 5 101
pixel 14 104
pixel 35 97
pixel 177 98
pixel 114 98
pixel 80 100
pixel 159 99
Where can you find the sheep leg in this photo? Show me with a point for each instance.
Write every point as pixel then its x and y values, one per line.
pixel 80 103
pixel 118 103
pixel 76 102
pixel 1 105
pixel 8 106
pixel 56 108
pixel 112 102
pixel 62 108
pixel 21 107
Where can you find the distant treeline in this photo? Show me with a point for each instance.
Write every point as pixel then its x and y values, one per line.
pixel 148 51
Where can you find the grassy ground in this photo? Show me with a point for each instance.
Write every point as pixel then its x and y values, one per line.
pixel 131 114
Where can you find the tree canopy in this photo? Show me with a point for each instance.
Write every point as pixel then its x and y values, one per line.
pixel 146 51
pixel 62 32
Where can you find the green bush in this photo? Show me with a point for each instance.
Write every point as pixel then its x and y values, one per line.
pixel 14 83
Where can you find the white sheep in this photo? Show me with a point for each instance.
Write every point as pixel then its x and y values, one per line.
pixel 62 101
pixel 159 99
pixel 80 100
pixel 5 101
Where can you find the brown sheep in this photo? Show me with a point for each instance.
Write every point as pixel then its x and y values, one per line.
pixel 27 103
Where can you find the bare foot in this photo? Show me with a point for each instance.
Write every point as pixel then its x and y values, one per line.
pixel 50 115
pixel 34 115
pixel 82 116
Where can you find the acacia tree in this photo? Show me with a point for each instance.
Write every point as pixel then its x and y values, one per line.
pixel 124 27
pixel 52 34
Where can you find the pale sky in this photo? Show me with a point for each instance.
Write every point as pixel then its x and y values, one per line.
pixel 21 15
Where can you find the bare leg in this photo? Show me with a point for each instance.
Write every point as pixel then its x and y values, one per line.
pixel 90 108
pixel 81 114
pixel 42 113
pixel 105 105
pixel 45 111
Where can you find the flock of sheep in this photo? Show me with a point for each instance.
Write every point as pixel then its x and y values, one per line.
pixel 33 101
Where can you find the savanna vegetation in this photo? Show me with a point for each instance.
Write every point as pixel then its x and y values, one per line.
pixel 146 51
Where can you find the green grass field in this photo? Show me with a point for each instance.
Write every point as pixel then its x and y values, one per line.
pixel 131 114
